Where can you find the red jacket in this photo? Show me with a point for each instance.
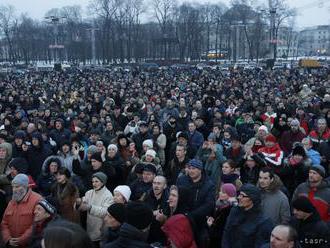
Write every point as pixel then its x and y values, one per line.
pixel 178 231
pixel 18 218
pixel 273 155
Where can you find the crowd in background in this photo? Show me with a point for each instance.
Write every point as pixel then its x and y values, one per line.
pixel 169 158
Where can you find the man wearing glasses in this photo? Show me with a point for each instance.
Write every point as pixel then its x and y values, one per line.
pixel 246 225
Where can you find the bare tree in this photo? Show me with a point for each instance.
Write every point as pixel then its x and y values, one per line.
pixel 7 23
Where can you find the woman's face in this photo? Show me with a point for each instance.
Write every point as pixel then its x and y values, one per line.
pixel 118 197
pixel 97 184
pixel 53 167
pixel 61 179
pixel 173 198
pixel 123 142
pixel 226 169
pixel 223 196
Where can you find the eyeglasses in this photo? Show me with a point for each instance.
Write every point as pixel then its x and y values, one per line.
pixel 243 196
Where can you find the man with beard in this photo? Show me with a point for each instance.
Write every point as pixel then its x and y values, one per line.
pixel 16 226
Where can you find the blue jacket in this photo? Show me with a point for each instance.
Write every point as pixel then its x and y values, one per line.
pixel 196 139
pixel 203 195
pixel 246 229
pixel 314 156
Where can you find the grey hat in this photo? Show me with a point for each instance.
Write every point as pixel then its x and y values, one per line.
pixel 319 169
pixel 21 179
pixel 101 176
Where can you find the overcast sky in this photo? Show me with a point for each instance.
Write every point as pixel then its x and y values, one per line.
pixel 310 12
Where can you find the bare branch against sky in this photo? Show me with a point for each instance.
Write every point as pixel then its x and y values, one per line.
pixel 309 12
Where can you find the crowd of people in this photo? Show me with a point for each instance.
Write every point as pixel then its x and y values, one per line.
pixel 171 158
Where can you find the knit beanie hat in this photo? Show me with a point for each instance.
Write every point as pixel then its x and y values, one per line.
pixel 151 153
pixel 124 190
pixel 252 192
pixel 138 215
pixel 20 164
pixel 150 167
pixel 21 179
pixel 196 163
pixel 229 189
pixel 118 211
pixel 49 208
pixel 263 127
pixel 319 169
pixel 101 176
pixel 148 143
pixel 303 204
pixel 97 157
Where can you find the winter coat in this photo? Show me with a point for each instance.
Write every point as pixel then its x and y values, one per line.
pixel 246 229
pixel 86 174
pixel 118 164
pixel 65 197
pixel 129 237
pixel 36 157
pixel 274 203
pixel 203 193
pixel 312 232
pixel 216 229
pixel 179 232
pixel 138 140
pixel 160 143
pixel 59 135
pixel 318 196
pixel 314 156
pixel 139 190
pixel 100 201
pixel 18 218
pixel 175 168
pixel 195 139
pixel 272 155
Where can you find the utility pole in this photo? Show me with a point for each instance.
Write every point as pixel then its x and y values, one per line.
pixel 55 21
pixel 93 29
pixel 272 33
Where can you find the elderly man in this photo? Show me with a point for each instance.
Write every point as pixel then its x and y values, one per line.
pixel 283 236
pixel 16 225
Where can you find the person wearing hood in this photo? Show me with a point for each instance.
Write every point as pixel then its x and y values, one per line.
pixel 47 178
pixel 312 231
pixel 179 232
pixel 96 202
pixel 274 202
pixel 246 224
pixel 19 138
pixel 134 231
pixel 65 154
pixel 317 190
pixel 216 222
pixel 16 225
pixel 36 155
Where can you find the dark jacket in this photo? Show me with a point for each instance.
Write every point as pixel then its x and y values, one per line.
pixel 129 237
pixel 311 230
pixel 139 190
pixel 118 164
pixel 203 193
pixel 86 174
pixel 246 229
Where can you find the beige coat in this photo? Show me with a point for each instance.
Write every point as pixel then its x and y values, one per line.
pixel 100 201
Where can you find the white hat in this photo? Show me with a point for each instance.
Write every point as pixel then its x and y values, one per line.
pixel 124 190
pixel 263 127
pixel 112 146
pixel 151 153
pixel 148 143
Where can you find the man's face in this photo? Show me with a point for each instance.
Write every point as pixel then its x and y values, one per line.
pixel 158 185
pixel 148 176
pixel 314 177
pixel 279 238
pixel 294 128
pixel 180 152
pixel 264 180
pixel 19 192
pixel 194 173
pixel 35 142
pixel 3 153
pixel 96 164
pixel 321 124
pixel 191 127
pixel 244 201
pixel 40 213
pixel 300 215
